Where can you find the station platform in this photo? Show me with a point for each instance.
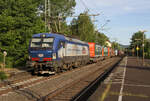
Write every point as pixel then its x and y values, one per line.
pixel 129 81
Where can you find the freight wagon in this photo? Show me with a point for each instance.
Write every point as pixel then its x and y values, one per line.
pixel 95 52
pixel 98 52
pixel 107 52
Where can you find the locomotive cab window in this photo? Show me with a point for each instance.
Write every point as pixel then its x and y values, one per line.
pixel 42 42
pixel 47 42
pixel 35 42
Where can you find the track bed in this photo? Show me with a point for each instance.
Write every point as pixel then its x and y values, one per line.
pixel 44 86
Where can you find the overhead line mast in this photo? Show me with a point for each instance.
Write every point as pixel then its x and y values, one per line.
pixel 47 15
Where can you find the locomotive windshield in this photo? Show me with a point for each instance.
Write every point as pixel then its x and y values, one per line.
pixel 42 43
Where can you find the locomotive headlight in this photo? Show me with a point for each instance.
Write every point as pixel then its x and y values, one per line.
pixel 54 55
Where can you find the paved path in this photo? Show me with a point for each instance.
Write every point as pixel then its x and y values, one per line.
pixel 130 81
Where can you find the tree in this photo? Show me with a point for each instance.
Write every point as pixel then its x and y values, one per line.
pixel 86 28
pixel 74 27
pixel 101 38
pixel 147 48
pixel 115 45
pixel 18 21
pixel 59 11
pixel 136 41
pixel 83 27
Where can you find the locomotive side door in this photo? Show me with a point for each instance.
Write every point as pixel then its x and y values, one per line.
pixel 61 49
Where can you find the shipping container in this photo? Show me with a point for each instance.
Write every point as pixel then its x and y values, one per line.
pixel 95 50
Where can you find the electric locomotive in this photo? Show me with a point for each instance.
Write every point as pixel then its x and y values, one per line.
pixel 52 52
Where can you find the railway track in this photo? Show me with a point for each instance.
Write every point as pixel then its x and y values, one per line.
pixel 24 79
pixel 14 80
pixel 31 81
pixel 87 92
pixel 21 80
pixel 77 90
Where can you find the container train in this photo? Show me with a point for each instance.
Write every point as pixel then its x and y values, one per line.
pixel 51 53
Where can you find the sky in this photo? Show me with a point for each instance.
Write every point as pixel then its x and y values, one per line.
pixel 125 17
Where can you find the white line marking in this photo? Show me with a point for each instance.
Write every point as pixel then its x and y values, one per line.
pixel 122 85
pixel 137 85
pixel 132 85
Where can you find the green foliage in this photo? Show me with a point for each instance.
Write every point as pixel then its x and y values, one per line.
pixel 137 41
pixel 74 27
pixel 63 8
pixel 83 27
pixel 59 11
pixel 1 57
pixel 147 48
pixel 86 28
pixel 101 38
pixel 137 38
pixel 3 75
pixel 115 45
pixel 18 21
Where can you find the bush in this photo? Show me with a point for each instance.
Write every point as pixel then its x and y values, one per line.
pixel 3 75
pixel 9 62
pixel 1 57
pixel 1 60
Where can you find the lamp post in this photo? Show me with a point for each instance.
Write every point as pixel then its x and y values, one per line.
pixel 137 48
pixel 143 48
pixel 4 59
pixel 143 44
